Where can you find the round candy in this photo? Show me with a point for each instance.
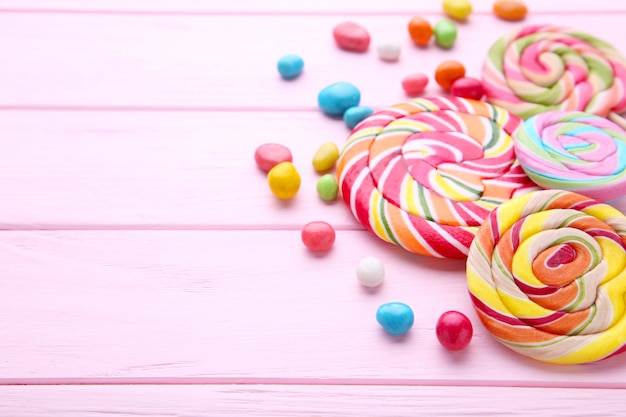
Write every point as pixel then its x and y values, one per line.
pixel 547 277
pixel 370 272
pixel 457 9
pixel 351 37
pixel 327 187
pixel 467 87
pixel 454 330
pixel 414 84
pixel 540 68
pixel 509 10
pixel 354 115
pixel 447 72
pixel 396 318
pixel 335 99
pixel 268 155
pixel 425 173
pixel 325 157
pixel 389 50
pixel 284 180
pixel 420 31
pixel 574 151
pixel 290 66
pixel 318 236
pixel 445 33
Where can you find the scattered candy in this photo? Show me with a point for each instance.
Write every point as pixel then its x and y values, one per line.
pixel 467 87
pixel 354 115
pixel 445 33
pixel 284 180
pixel 420 31
pixel 318 236
pixel 389 51
pixel 290 66
pixel 510 10
pixel 370 272
pixel 268 155
pixel 457 9
pixel 325 157
pixel 447 72
pixel 454 330
pixel 335 99
pixel 396 318
pixel 414 84
pixel 351 37
pixel 327 187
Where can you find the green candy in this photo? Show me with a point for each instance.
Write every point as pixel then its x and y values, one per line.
pixel 445 33
pixel 327 187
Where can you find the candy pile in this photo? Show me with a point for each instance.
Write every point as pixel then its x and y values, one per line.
pixel 458 177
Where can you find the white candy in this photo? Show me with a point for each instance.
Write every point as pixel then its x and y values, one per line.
pixel 370 272
pixel 389 51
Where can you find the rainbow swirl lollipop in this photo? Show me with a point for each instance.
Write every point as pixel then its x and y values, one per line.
pixel 540 68
pixel 574 151
pixel 424 174
pixel 547 276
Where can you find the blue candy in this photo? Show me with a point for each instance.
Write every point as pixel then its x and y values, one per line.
pixel 396 318
pixel 335 99
pixel 290 66
pixel 355 115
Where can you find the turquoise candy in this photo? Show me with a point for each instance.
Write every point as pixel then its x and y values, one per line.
pixel 396 318
pixel 355 115
pixel 335 99
pixel 290 66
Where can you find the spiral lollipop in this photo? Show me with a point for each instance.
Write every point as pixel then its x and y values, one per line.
pixel 425 173
pixel 574 151
pixel 547 276
pixel 541 68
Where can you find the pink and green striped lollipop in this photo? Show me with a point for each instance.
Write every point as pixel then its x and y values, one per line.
pixel 540 68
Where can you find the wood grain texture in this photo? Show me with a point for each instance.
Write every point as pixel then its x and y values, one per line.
pixel 165 62
pixel 314 401
pixel 148 271
pixel 218 306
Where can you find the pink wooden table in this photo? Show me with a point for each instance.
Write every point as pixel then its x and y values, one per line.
pixel 147 269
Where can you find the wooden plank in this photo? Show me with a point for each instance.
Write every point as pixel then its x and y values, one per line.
pixel 93 170
pixel 353 7
pixel 240 306
pixel 161 61
pixel 279 401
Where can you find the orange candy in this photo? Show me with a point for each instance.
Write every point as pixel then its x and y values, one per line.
pixel 510 9
pixel 420 31
pixel 447 72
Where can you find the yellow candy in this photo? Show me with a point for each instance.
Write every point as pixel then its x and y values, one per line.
pixel 325 157
pixel 457 9
pixel 284 180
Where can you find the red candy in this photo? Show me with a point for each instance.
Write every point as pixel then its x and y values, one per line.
pixel 318 236
pixel 467 87
pixel 454 330
pixel 268 155
pixel 414 84
pixel 351 37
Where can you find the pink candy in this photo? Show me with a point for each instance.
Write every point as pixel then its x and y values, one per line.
pixel 414 84
pixel 318 236
pixel 268 155
pixel 467 87
pixel 351 37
